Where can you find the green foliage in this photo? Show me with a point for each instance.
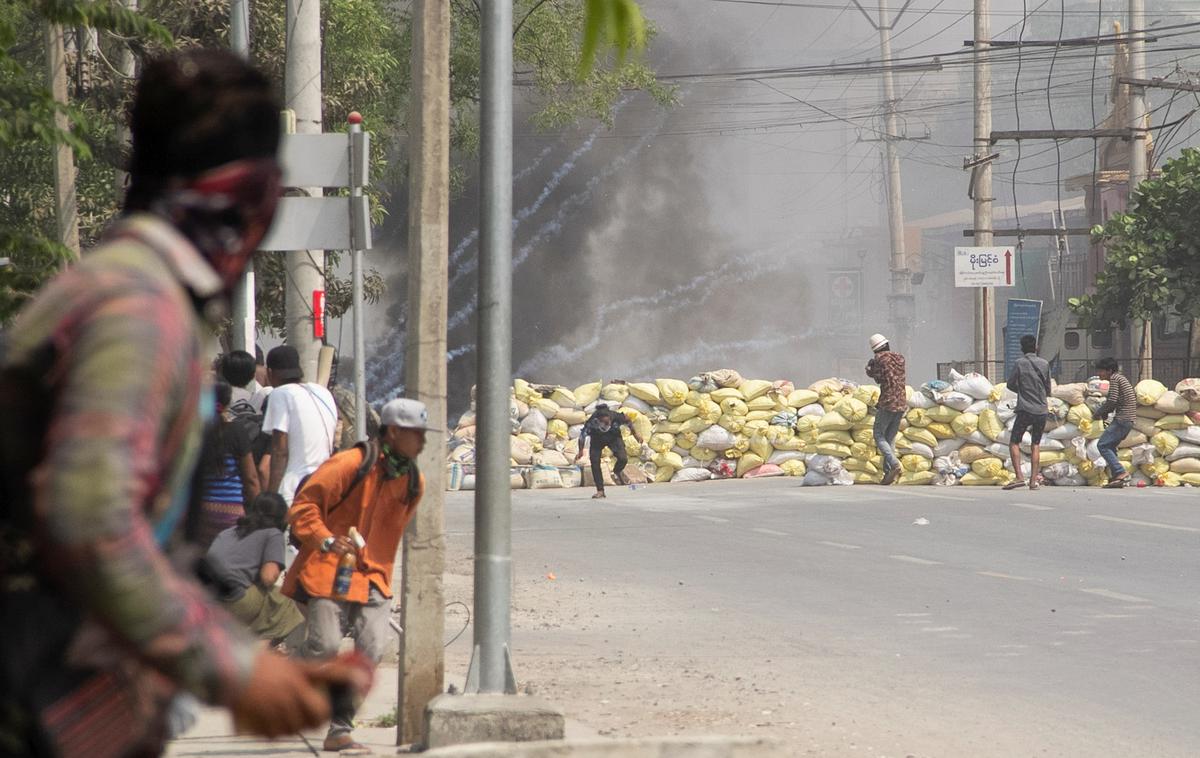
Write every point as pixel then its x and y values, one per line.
pixel 1152 265
pixel 618 23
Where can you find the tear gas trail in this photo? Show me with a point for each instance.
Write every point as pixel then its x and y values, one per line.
pixel 686 295
pixel 553 227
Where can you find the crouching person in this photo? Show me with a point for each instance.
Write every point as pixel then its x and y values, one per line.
pixel 246 561
pixel 373 488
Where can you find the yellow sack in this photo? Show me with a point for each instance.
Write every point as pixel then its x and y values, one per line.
pixel 586 394
pixel 801 398
pixel 902 443
pixel 867 394
pixel 829 401
pixel 548 407
pixel 833 421
pixel 854 463
pixel 521 390
pixel 704 455
pixel 668 459
pixel 838 437
pixel 988 468
pixel 1050 457
pixel 1192 479
pixel 916 417
pixel 661 443
pixel 734 406
pixel 792 443
pixel 923 436
pixel 834 449
pixel 866 477
pixel 795 467
pixel 755 425
pixel 1165 443
pixel 633 448
pixel 663 475
pixel 941 413
pixel 941 431
pixel 1156 469
pixel 694 398
pixel 1079 413
pixel 752 388
pixel 558 428
pixel 808 423
pixel 1092 429
pixel 646 392
pixel 1174 422
pixel 1148 391
pixel 964 424
pixel 763 416
pixel 673 391
pixel 868 422
pixel 615 393
pixel 997 393
pixel 535 442
pixel 779 433
pixel 748 462
pixel 686 440
pixel 681 413
pixel 914 463
pixel 989 424
pixel 762 403
pixel 642 425
pixel 761 446
pixel 694 425
pixel 666 427
pixel 725 393
pixel 709 410
pixel 971 479
pixel 865 435
pixel 571 416
pixel 852 410
pixel 1171 479
pixel 564 397
pixel 732 423
pixel 916 478
pixel 741 443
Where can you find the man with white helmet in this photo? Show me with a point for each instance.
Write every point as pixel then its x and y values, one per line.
pixel 887 368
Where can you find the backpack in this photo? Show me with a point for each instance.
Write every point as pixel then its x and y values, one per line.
pixel 370 451
pixel 247 418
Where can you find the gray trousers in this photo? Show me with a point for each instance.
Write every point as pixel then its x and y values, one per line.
pixel 368 626
pixel 887 425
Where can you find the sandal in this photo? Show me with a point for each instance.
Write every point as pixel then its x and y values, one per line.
pixel 1015 484
pixel 1118 483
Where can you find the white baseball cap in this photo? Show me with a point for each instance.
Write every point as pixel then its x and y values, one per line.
pixel 406 414
pixel 878 341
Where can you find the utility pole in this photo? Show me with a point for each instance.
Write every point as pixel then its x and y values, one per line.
pixel 422 658
pixel 1137 156
pixel 65 206
pixel 981 188
pixel 243 333
pixel 304 269
pixel 127 67
pixel 900 301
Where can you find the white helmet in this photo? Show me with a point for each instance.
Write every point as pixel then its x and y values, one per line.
pixel 878 342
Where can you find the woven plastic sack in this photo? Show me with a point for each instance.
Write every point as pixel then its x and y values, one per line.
pixel 725 393
pixel 1071 394
pixel 747 462
pixel 564 397
pixel 964 423
pixel 1186 466
pixel 716 438
pixel 942 413
pixel 916 434
pixel 548 407
pixel 646 392
pixel 977 386
pixel 752 388
pixel 956 400
pixel 691 475
pixel 794 467
pixel 636 404
pixel 802 397
pixel 989 424
pixel 534 423
pixel 988 468
pixel 586 394
pixel 668 459
pixel 918 418
pixel 614 393
pixel 1184 451
pixel 764 471
pixel 702 454
pixel 725 377
pixel 1148 391
pixel 833 449
pixel 915 463
pixel 916 478
pixel 681 413
pixel 1189 389
pixel 851 409
pixel 558 428
pixel 672 391
pixel 660 443
pixel 761 446
pixel 917 399
pixel 867 394
pixel 1172 402
pixel 761 403
pixel 1178 421
pixel 941 431
pixel 833 421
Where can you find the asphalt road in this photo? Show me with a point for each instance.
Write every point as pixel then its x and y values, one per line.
pixel 1057 622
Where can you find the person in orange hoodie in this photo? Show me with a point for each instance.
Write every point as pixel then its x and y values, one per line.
pixel 378 504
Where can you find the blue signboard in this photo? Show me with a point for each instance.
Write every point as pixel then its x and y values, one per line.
pixel 1024 317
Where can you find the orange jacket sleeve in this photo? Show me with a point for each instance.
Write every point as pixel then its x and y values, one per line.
pixel 327 485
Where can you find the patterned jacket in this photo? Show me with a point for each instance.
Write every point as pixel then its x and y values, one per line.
pixel 100 628
pixel 887 368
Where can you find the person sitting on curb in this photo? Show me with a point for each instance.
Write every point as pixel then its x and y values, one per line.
pixel 1030 379
pixel 246 561
pixel 373 488
pixel 603 428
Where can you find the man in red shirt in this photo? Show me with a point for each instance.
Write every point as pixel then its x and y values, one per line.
pixel 887 368
pixel 378 505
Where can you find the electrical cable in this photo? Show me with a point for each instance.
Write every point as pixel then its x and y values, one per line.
pixel 1017 162
pixel 1062 20
pixel 466 623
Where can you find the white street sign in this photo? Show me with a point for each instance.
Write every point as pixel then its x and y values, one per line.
pixel 983 266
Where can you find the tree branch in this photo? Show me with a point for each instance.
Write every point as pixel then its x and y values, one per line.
pixel 525 18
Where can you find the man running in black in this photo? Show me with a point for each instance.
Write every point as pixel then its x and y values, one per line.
pixel 604 430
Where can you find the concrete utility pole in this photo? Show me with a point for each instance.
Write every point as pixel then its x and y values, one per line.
pixel 243 333
pixel 985 311
pixel 65 206
pixel 900 301
pixel 422 658
pixel 305 269
pixel 127 66
pixel 1137 157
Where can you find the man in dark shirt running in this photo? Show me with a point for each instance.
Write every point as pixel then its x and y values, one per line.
pixel 603 428
pixel 1030 379
pixel 1121 399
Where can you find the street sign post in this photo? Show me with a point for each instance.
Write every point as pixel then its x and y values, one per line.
pixel 1024 317
pixel 983 267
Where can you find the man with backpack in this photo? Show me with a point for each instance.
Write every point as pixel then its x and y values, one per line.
pixel 375 488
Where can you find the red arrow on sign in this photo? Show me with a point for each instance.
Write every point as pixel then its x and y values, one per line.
pixel 1008 267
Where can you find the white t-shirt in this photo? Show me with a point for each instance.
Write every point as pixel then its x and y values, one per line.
pixel 307 414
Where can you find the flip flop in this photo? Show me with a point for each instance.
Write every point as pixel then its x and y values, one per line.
pixel 1117 484
pixel 1017 484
